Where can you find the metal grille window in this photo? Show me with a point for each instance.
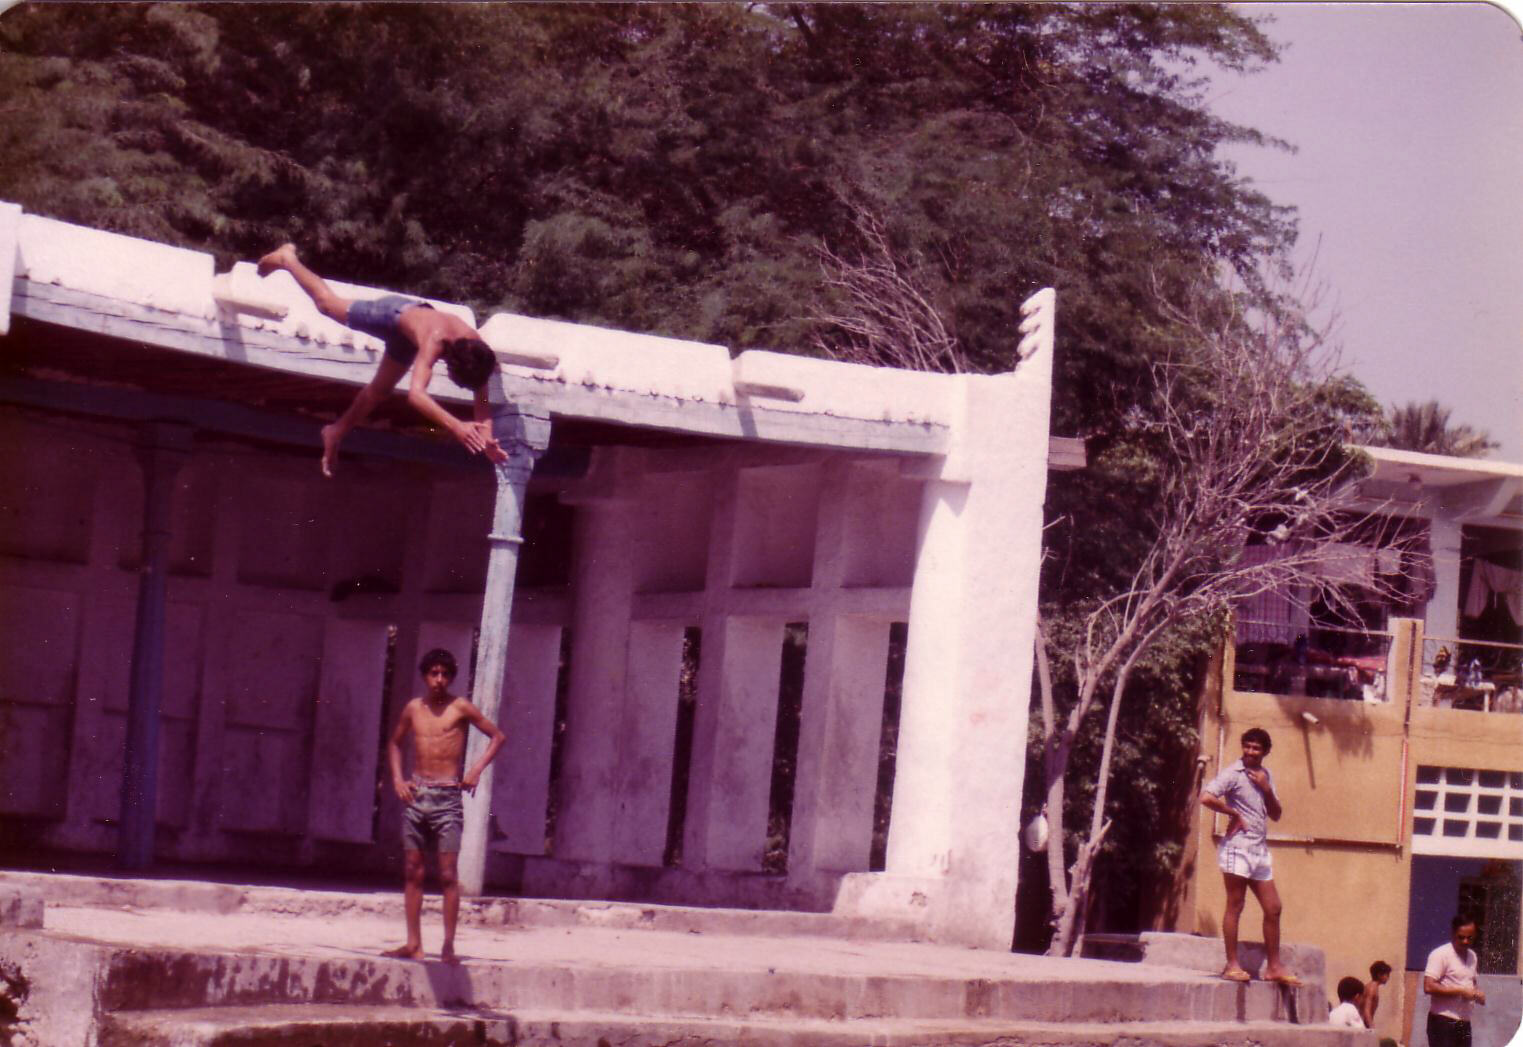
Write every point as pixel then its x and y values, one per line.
pixel 1465 812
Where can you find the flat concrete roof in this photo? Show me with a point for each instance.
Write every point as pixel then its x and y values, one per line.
pixel 140 293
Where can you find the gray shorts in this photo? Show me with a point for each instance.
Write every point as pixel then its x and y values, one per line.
pixel 382 318
pixel 432 822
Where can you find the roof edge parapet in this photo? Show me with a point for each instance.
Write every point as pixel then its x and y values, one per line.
pixel 172 296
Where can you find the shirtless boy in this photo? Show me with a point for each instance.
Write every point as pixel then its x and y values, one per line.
pixel 1369 1002
pixel 416 335
pixel 432 814
pixel 1244 792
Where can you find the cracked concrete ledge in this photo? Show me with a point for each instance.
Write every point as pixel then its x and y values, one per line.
pixel 219 898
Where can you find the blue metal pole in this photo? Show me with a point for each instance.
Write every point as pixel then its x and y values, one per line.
pixel 163 448
pixel 524 435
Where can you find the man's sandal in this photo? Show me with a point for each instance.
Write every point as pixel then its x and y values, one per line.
pixel 1237 976
pixel 1290 981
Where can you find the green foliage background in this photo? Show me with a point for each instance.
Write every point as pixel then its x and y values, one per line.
pixel 673 168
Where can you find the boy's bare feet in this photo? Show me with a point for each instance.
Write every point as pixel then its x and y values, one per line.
pixel 447 954
pixel 405 952
pixel 277 259
pixel 331 438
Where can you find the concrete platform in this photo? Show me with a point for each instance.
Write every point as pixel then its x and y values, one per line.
pixel 301 968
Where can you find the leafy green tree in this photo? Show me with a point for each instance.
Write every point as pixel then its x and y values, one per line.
pixel 1426 427
pixel 669 168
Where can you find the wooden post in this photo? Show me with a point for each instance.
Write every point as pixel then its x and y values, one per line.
pixel 524 436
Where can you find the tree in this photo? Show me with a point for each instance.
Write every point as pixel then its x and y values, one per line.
pixel 1245 447
pixel 663 167
pixel 1425 427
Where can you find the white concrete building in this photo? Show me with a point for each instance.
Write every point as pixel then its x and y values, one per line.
pixel 179 583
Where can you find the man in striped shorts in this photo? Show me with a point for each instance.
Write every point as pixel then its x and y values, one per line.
pixel 1244 792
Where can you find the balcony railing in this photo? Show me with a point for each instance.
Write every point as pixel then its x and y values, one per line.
pixel 1471 674
pixel 1319 662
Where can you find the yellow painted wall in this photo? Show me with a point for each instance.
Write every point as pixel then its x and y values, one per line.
pixel 1342 850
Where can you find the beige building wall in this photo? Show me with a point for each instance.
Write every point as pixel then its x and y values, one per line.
pixel 1345 773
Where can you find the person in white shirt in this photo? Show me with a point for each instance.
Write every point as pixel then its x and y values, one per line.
pixel 1450 982
pixel 1347 1013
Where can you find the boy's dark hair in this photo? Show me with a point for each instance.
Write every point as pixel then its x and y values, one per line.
pixel 1349 988
pixel 440 657
pixel 1258 734
pixel 1460 919
pixel 469 361
pixel 1379 969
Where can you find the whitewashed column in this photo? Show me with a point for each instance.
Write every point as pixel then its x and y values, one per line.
pixel 953 840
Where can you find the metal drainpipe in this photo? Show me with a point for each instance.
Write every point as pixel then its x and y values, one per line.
pixel 162 448
pixel 1413 681
pixel 524 436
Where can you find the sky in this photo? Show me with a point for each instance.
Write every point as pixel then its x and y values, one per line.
pixel 1408 176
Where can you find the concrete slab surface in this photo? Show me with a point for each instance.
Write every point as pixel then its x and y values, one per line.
pixel 346 1027
pixel 197 965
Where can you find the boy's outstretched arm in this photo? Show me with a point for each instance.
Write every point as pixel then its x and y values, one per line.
pixel 476 436
pixel 495 738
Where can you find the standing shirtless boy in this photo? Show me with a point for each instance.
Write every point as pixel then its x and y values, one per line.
pixel 416 336
pixel 432 814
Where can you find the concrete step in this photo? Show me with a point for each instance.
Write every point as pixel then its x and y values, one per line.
pixel 302 1026
pixel 119 954
pixel 195 896
pixel 681 978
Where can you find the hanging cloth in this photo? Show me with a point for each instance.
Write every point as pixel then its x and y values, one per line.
pixel 1488 579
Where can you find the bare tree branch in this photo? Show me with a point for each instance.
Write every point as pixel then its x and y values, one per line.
pixel 884 318
pixel 1254 494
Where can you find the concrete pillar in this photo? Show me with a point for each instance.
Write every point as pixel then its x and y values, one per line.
pixel 705 801
pixel 164 447
pixel 1442 617
pixel 841 721
pixel 738 790
pixel 1404 663
pixel 524 436
pixel 522 782
pixel 954 836
pixel 648 736
pixel 601 604
pixel 837 778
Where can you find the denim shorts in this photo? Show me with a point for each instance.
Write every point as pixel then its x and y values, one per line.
pixel 382 318
pixel 432 822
